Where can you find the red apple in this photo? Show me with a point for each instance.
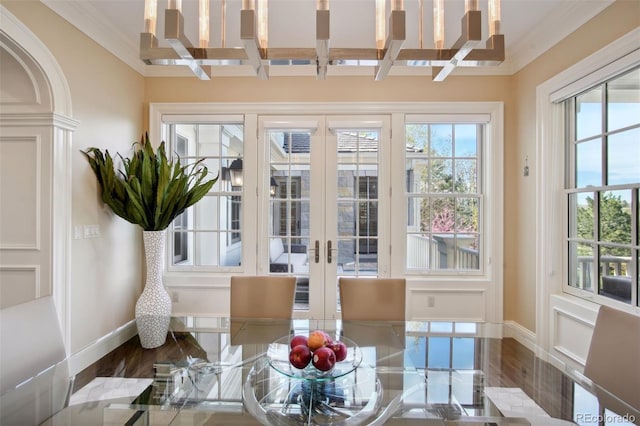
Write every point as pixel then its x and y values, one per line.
pixel 317 339
pixel 300 356
pixel 340 350
pixel 323 359
pixel 329 340
pixel 298 340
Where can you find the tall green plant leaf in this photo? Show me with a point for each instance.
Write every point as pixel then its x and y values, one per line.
pixel 148 189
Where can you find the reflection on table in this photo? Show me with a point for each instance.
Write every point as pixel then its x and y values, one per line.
pixel 411 373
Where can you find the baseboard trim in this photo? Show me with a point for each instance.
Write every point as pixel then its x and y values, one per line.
pixel 522 334
pixel 87 356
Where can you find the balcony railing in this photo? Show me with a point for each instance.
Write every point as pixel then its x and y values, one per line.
pixel 439 252
pixel 614 279
pixel 609 266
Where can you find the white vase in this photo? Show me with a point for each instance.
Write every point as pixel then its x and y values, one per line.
pixel 153 308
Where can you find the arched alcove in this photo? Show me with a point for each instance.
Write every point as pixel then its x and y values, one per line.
pixel 18 85
pixel 36 126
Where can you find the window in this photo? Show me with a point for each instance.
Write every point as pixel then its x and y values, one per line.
pixel 603 180
pixel 180 250
pixel 289 164
pixel 444 195
pixel 209 234
pixel 367 214
pixel 378 200
pixel 293 218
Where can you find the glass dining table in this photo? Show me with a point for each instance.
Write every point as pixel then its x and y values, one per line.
pixel 236 372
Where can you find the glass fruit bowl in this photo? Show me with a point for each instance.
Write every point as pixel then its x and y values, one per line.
pixel 278 359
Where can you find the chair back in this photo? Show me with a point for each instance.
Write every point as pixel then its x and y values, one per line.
pixel 35 382
pixel 372 299
pixel 614 355
pixel 262 296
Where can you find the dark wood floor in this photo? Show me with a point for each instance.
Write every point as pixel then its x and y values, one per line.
pixel 517 366
pixel 510 365
pixel 132 361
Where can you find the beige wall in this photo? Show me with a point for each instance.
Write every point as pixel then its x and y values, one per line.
pixel 107 99
pixel 333 89
pixel 520 232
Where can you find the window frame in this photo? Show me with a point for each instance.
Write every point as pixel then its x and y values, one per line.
pixel 479 122
pixel 171 267
pixel 490 191
pixel 553 295
pixel 572 141
pixel 486 289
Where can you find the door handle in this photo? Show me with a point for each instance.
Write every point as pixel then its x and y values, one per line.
pixel 329 251
pixel 317 252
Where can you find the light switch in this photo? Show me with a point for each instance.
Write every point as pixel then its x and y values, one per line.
pixel 91 231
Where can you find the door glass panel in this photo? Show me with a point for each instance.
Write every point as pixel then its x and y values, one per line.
pixel 357 193
pixel 289 164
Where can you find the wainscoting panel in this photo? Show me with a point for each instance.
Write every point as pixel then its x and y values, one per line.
pixel 212 301
pixel 18 284
pixel 422 304
pixel 571 335
pixel 25 216
pixel 446 304
pixel 20 170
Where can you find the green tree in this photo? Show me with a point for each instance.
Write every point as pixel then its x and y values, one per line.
pixel 442 214
pixel 615 222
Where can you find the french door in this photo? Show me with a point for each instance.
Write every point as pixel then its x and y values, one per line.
pixel 325 215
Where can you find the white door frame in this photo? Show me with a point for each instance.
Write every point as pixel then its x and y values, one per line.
pixel 323 202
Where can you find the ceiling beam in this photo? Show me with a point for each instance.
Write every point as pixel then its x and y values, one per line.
pixel 393 44
pixel 249 37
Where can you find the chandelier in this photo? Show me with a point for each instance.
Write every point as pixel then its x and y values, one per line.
pixel 465 52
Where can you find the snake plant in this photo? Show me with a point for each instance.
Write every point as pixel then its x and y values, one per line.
pixel 148 190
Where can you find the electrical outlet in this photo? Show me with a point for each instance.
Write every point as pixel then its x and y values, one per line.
pixel 431 301
pixel 174 297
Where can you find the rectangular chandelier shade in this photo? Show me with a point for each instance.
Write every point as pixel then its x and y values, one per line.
pixel 390 31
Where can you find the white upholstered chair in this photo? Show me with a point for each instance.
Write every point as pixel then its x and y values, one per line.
pixel 613 361
pixel 34 379
pixel 376 299
pixel 258 297
pixel 262 296
pixel 372 298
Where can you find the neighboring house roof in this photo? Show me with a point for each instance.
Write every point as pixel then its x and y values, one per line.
pixel 295 143
pixel 299 143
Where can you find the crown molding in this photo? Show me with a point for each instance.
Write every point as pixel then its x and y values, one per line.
pixel 565 19
pixel 86 18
